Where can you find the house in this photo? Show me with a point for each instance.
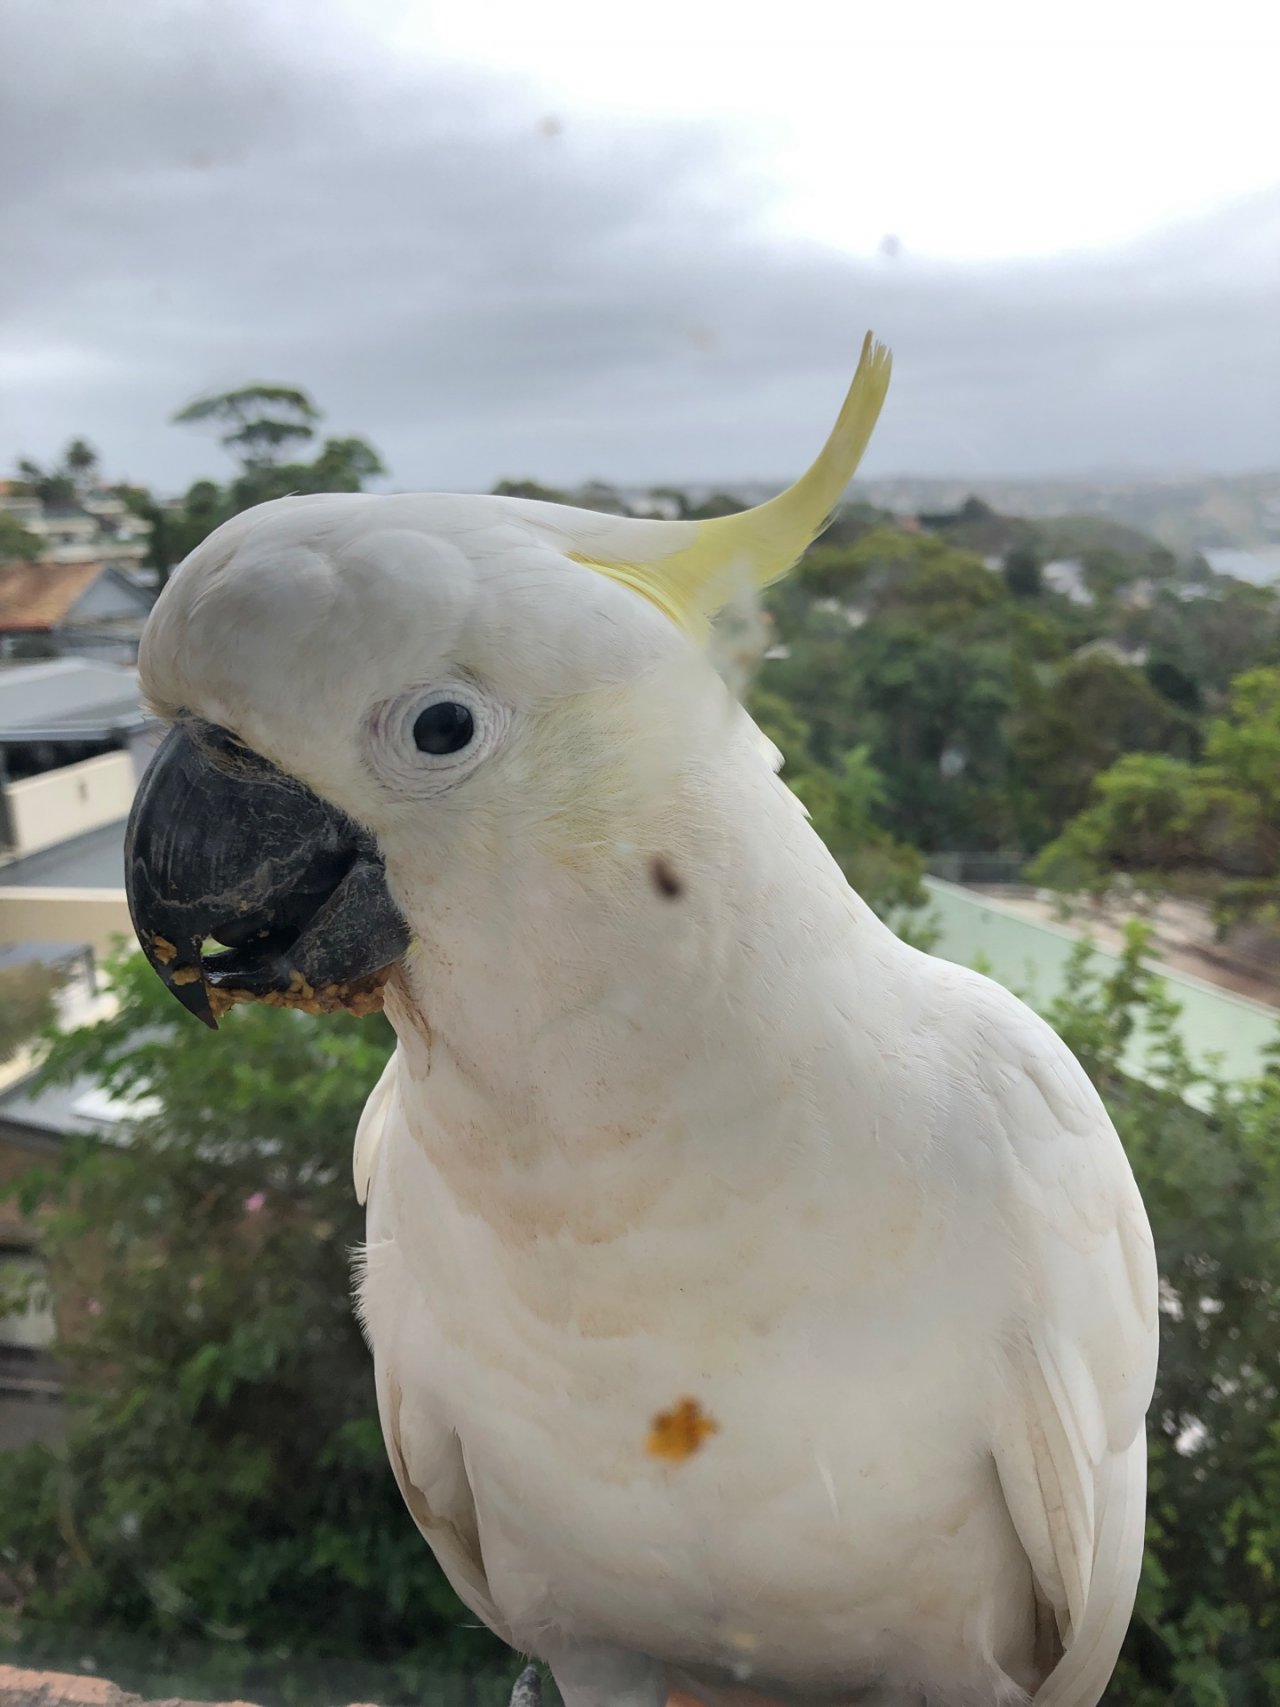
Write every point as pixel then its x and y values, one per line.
pixel 98 527
pixel 74 742
pixel 74 738
pixel 58 718
pixel 88 609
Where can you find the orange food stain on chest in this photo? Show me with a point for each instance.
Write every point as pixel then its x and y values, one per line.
pixel 677 1434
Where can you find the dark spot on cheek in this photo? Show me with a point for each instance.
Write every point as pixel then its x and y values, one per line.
pixel 664 878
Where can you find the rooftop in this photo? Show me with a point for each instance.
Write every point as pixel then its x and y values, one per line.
pixel 54 954
pixel 68 699
pixel 91 861
pixel 36 596
pixel 55 1111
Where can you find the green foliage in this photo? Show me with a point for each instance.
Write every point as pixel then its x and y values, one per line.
pixel 258 421
pixel 1172 681
pixel 180 530
pixel 17 544
pixel 1211 639
pixel 1207 1156
pixel 26 1004
pixel 66 481
pixel 1022 572
pixel 915 651
pixel 223 1478
pixel 1212 826
pixel 81 462
pixel 1079 719
pixel 1145 819
pixel 845 803
pixel 530 489
pixel 341 465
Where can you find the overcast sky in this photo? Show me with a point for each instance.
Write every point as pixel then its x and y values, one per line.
pixel 563 240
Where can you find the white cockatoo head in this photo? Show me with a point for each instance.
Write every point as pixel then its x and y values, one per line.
pixel 366 693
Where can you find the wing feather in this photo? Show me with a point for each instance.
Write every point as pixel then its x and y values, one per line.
pixel 426 1455
pixel 1071 1444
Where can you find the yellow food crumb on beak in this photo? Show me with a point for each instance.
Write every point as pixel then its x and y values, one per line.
pixel 163 949
pixel 359 997
pixel 678 1433
pixel 187 975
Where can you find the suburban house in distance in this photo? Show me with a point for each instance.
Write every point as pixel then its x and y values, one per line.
pixel 98 528
pixel 91 609
pixel 74 740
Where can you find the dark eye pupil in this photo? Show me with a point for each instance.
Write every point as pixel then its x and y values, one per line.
pixel 443 728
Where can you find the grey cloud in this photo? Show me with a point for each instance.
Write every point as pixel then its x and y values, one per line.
pixel 203 197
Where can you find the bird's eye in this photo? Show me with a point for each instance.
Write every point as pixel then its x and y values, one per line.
pixel 445 727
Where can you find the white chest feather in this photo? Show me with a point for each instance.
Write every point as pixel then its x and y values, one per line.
pixel 857 1210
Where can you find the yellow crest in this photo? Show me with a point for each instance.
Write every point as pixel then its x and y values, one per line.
pixel 730 555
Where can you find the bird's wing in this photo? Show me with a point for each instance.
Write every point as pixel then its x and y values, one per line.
pixel 426 1455
pixel 426 1458
pixel 1071 1442
pixel 372 1124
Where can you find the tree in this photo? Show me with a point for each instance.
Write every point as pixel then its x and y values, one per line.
pixel 258 421
pixel 1211 827
pixel 1069 728
pixel 80 461
pixel 716 504
pixel 68 481
pixel 1146 820
pixel 1173 683
pixel 52 486
pixel 1207 1158
pixel 223 1476
pixel 530 489
pixel 27 1004
pixel 1211 639
pixel 1240 783
pixel 906 646
pixel 343 465
pixel 599 495
pixel 205 507
pixel 1022 567
pixel 259 425
pixel 675 498
pixel 845 803
pixel 17 544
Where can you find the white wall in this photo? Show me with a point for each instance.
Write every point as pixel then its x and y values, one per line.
pixel 54 807
pixel 75 916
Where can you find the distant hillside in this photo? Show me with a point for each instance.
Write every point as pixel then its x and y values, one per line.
pixel 1188 514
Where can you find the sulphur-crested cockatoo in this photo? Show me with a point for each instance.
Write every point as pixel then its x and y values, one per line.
pixel 760 1309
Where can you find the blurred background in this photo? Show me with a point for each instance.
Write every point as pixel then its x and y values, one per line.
pixel 1028 684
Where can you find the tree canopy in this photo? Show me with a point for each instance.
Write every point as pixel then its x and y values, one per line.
pixel 223 1480
pixel 1209 827
pixel 17 544
pixel 257 422
pixel 63 482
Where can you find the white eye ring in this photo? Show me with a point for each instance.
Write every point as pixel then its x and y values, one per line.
pixel 396 728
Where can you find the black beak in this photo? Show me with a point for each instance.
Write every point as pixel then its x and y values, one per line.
pixel 222 845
